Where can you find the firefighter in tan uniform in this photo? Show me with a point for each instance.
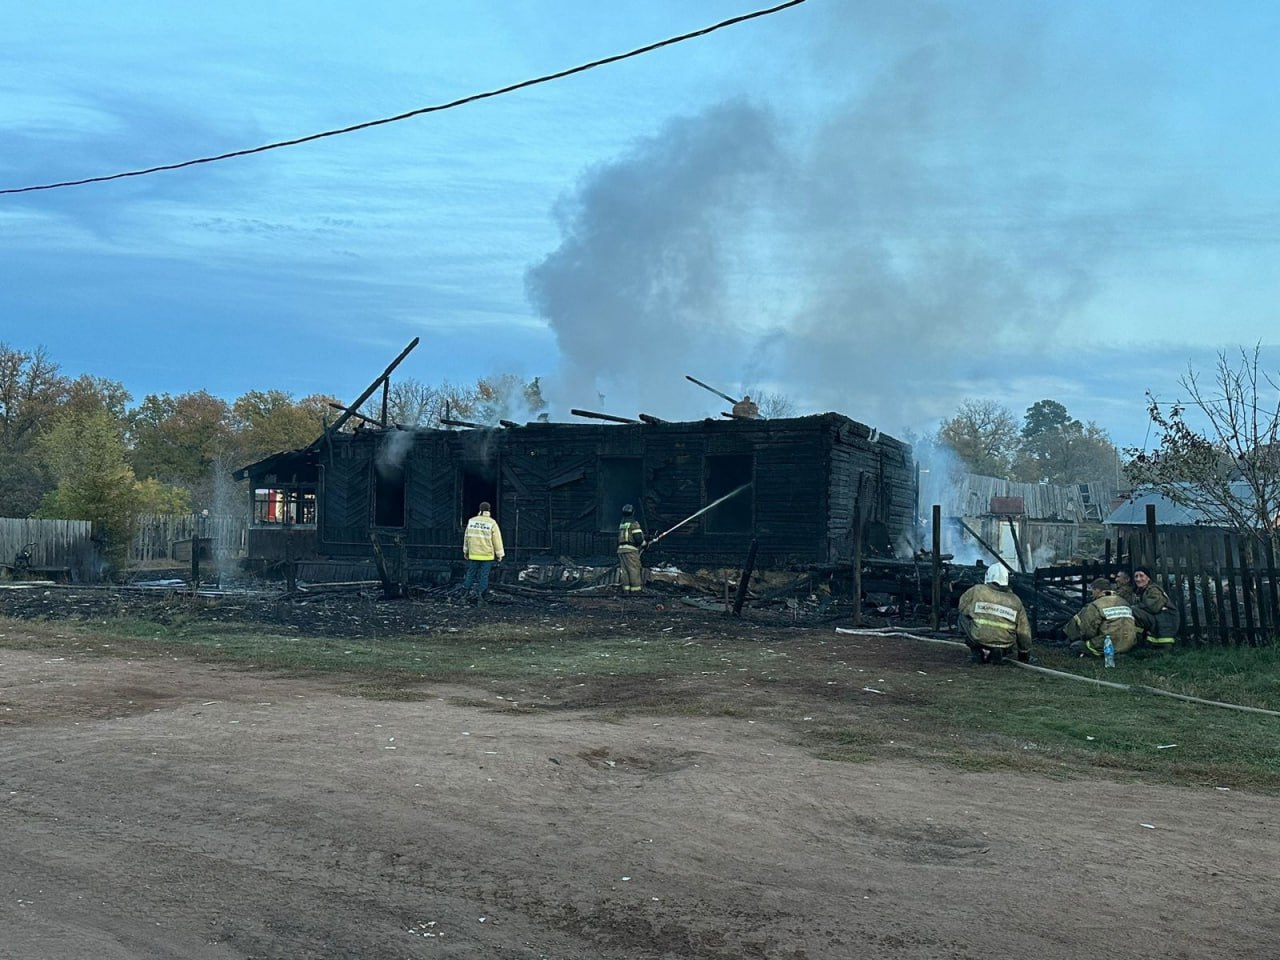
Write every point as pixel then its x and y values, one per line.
pixel 993 619
pixel 1107 614
pixel 1124 588
pixel 1157 618
pixel 631 541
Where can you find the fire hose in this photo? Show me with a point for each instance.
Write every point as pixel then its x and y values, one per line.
pixel 1065 675
pixel 694 516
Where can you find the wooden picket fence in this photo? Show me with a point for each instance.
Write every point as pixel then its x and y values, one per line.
pixel 60 549
pixel 1224 585
pixel 156 533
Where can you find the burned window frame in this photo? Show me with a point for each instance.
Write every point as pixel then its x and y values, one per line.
pixel 295 505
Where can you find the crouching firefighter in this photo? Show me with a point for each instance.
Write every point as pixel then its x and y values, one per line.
pixel 1157 618
pixel 631 541
pixel 993 619
pixel 1107 614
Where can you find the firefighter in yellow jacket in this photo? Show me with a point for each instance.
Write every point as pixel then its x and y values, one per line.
pixel 481 545
pixel 631 541
pixel 1107 614
pixel 993 619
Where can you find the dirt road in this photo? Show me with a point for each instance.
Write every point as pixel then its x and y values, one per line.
pixel 166 809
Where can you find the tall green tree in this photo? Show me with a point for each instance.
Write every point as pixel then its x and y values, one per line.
pixel 270 421
pixel 178 439
pixel 1044 416
pixel 1056 448
pixel 87 393
pixel 983 435
pixel 85 452
pixel 31 391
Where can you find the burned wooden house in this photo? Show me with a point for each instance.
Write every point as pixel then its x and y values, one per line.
pixel 557 490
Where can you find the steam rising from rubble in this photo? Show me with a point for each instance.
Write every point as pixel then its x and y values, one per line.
pixel 852 263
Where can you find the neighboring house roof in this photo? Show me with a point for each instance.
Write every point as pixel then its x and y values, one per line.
pixel 1170 513
pixel 973 495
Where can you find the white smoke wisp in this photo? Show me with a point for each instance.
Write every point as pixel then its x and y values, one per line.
pixel 393 447
pixel 940 473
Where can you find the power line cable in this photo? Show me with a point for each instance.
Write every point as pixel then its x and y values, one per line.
pixel 546 78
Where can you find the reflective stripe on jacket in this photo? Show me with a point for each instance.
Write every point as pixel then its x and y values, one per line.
pixel 1108 614
pixel 630 534
pixel 994 617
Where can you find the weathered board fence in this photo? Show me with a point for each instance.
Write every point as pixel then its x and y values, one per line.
pixel 156 534
pixel 1225 587
pixel 60 549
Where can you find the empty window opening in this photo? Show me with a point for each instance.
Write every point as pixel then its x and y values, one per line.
pixel 620 483
pixel 724 475
pixel 388 495
pixel 479 485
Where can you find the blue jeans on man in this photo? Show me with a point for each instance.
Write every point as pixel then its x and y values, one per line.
pixel 477 568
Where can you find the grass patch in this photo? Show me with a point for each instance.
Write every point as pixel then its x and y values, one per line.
pixel 1017 719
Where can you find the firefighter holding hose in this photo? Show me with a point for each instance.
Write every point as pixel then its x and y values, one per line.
pixel 631 541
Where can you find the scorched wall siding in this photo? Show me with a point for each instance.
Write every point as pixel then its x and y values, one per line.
pixel 556 488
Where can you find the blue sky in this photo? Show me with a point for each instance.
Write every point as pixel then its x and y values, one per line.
pixel 879 209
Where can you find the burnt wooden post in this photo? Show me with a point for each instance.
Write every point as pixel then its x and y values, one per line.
pixel 1205 564
pixel 1036 579
pixel 1180 586
pixel 195 556
pixel 290 567
pixel 350 411
pixel 857 551
pixel 1193 568
pixel 1017 546
pixel 1220 603
pixel 1231 585
pixel 857 577
pixel 1246 588
pixel 1151 534
pixel 1271 578
pixel 1106 555
pixel 745 578
pixel 937 566
pixel 402 562
pixel 1258 584
pixel 387 586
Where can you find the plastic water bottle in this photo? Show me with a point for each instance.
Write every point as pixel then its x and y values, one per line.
pixel 1108 652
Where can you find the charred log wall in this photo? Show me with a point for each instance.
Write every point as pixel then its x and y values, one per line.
pixel 557 488
pixel 872 481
